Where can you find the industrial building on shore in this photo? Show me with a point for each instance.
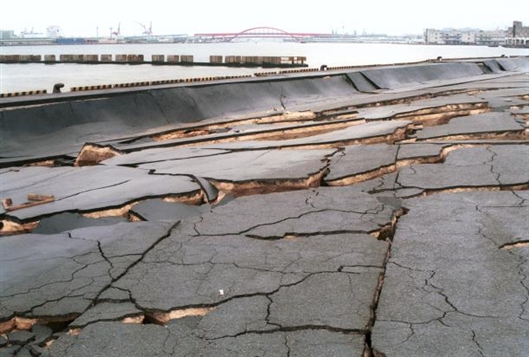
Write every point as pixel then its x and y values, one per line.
pixel 517 35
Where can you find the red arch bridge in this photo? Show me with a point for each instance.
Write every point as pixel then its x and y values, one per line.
pixel 258 32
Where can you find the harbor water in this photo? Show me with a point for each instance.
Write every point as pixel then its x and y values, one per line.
pixel 36 76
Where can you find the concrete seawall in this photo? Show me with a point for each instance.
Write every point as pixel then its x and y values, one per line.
pixel 31 133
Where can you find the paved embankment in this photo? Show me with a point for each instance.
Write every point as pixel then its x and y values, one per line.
pixel 370 212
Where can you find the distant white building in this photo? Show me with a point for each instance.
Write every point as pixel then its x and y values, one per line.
pixel 464 37
pixel 434 37
pixel 7 34
pixel 469 37
pixel 452 36
pixel 53 32
pixel 492 38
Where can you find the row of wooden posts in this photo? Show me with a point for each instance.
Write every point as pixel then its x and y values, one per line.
pixel 136 58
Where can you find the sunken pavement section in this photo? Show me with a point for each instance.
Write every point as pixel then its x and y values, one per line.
pixel 378 212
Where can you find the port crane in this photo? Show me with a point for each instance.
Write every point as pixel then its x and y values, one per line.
pixel 115 33
pixel 29 34
pixel 146 31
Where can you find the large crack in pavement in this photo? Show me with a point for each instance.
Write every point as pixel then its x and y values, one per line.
pixel 369 350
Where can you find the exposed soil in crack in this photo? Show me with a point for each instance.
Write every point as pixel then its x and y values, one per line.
pixel 162 318
pixel 497 135
pixel 20 323
pixel 93 154
pixel 214 128
pixel 276 133
pixel 303 132
pixel 389 232
pixel 428 192
pixel 384 170
pixel 442 115
pixel 247 188
pixel 13 226
pixel 513 245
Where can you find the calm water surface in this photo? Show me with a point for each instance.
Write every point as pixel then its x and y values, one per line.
pixel 19 77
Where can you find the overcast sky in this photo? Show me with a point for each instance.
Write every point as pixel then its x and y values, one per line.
pixel 84 17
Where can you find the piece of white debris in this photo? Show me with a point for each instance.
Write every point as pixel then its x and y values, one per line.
pixel 221 292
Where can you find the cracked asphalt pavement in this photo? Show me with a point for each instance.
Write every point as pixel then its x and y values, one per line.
pixel 389 222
